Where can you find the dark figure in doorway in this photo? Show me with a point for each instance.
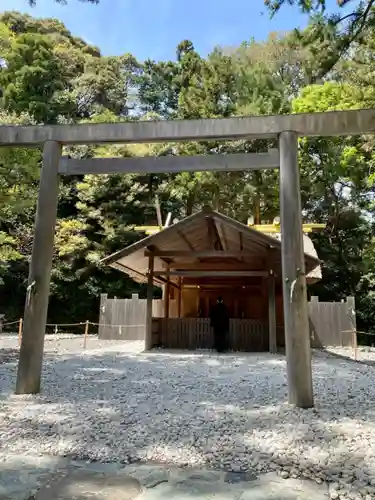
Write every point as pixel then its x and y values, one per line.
pixel 219 316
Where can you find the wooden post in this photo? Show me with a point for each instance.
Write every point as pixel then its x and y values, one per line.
pixel 86 334
pixel 20 331
pixel 150 293
pixel 350 301
pixel 102 329
pixel 313 309
pixel 179 298
pixel 167 291
pixel 355 344
pixel 272 314
pixel 296 322
pixel 35 316
pixel 351 311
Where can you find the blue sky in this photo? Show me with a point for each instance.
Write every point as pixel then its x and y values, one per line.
pixel 153 28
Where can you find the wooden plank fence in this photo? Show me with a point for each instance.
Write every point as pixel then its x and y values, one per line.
pixel 196 333
pixel 125 319
pixel 122 318
pixel 331 324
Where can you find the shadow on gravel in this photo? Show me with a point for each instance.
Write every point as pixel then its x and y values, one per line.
pixel 367 362
pixel 104 407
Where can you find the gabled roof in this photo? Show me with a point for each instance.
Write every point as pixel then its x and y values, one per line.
pixel 193 234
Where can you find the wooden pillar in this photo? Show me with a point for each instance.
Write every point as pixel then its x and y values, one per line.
pixel 35 314
pixel 351 310
pixel 150 295
pixel 167 295
pixel 272 314
pixel 297 337
pixel 179 297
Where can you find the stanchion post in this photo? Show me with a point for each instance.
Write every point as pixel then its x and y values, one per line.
pixel 20 331
pixel 355 344
pixel 86 334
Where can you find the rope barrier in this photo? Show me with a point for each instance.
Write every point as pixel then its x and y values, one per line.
pixel 81 323
pixel 87 323
pixel 366 333
pixel 10 323
pixel 115 326
pixel 358 331
pixel 65 324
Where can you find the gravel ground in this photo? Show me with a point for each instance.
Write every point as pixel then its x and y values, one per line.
pixel 364 353
pixel 112 402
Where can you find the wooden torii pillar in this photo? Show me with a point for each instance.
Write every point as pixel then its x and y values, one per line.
pixel 36 306
pixel 296 321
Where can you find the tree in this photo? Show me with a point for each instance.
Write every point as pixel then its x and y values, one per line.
pixel 337 189
pixel 329 36
pixel 31 78
pixel 55 76
pixel 279 58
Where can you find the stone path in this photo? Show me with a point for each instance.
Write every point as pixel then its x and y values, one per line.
pixel 48 478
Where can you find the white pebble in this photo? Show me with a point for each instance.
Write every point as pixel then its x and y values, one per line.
pixel 112 402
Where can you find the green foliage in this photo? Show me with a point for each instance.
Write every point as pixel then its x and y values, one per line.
pixel 336 189
pixel 330 35
pixel 31 78
pixel 19 171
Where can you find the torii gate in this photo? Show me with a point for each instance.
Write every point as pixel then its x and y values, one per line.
pixel 287 128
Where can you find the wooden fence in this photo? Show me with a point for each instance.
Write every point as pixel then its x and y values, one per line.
pixel 196 333
pixel 122 318
pixel 125 319
pixel 331 324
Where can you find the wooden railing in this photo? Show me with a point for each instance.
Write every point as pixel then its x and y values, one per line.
pixel 196 333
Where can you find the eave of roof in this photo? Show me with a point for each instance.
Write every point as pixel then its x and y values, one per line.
pixel 172 236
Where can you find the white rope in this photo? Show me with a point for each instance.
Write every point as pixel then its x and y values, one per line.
pixel 115 326
pixel 10 323
pixel 64 324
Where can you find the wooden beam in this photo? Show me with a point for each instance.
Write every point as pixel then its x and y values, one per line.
pixel 297 334
pixel 35 315
pixel 208 254
pixel 171 283
pixel 225 239
pixel 120 267
pixel 197 273
pixel 331 123
pixel 214 235
pixel 230 265
pixel 185 240
pixel 150 296
pixel 160 164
